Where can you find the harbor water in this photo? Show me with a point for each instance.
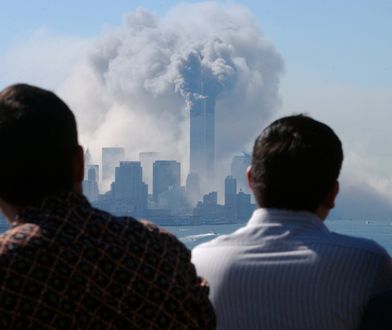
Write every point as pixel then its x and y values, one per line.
pixel 377 230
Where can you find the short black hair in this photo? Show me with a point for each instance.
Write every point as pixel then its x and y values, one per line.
pixel 38 139
pixel 296 161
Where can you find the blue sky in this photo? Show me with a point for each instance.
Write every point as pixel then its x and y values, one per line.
pixel 337 58
pixel 346 41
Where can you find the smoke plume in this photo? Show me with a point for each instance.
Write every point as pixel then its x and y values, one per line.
pixel 136 83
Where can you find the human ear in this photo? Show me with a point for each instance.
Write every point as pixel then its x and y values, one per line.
pixel 249 177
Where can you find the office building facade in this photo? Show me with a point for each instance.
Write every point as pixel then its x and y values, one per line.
pixel 202 139
pixel 166 175
pixel 128 188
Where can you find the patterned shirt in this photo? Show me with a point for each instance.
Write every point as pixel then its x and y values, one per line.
pixel 67 265
pixel 286 270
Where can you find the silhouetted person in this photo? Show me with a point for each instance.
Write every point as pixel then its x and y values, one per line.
pixel 64 264
pixel 285 269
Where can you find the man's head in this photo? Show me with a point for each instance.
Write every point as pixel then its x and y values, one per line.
pixel 39 151
pixel 295 164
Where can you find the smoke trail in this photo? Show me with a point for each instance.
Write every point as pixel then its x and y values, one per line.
pixel 136 83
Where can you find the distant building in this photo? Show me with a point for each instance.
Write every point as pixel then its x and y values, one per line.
pixel 209 211
pixel 230 197
pixel 244 206
pixel 175 200
pixel 166 175
pixel 210 198
pixel 90 185
pixel 147 159
pixel 202 137
pixel 96 169
pixel 239 166
pixel 128 189
pixel 111 157
pixel 230 191
pixel 87 157
pixel 193 188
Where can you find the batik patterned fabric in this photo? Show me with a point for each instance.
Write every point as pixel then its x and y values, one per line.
pixel 67 265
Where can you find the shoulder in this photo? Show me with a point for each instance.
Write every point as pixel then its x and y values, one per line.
pixel 143 233
pixel 221 250
pixel 357 244
pixel 146 234
pixel 166 238
pixel 239 237
pixel 19 237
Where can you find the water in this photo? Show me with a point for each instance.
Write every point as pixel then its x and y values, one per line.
pixel 377 230
pixel 3 223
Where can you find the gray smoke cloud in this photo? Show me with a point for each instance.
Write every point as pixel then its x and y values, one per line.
pixel 360 201
pixel 136 83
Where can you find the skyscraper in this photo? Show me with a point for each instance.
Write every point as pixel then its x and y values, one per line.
pixel 90 185
pixel 129 188
pixel 230 198
pixel 202 138
pixel 230 191
pixel 95 167
pixel 110 159
pixel 166 174
pixel 244 206
pixel 87 157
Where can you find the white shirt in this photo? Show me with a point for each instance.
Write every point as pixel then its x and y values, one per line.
pixel 286 270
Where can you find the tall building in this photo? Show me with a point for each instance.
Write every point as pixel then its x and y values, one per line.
pixel 128 187
pixel 239 166
pixel 90 185
pixel 87 157
pixel 230 198
pixel 95 167
pixel 111 157
pixel 244 206
pixel 202 139
pixel 166 175
pixel 147 159
pixel 230 191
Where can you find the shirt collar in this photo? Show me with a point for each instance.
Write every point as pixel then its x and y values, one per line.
pixel 286 217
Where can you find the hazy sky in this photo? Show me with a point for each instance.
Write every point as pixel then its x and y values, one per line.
pixel 337 67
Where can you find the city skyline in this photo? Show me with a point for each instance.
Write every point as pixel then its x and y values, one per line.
pixel 170 202
pixel 150 162
pixel 330 60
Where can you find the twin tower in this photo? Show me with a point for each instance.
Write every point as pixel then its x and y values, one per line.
pixel 202 139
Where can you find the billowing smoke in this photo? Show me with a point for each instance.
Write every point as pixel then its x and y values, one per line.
pixel 136 83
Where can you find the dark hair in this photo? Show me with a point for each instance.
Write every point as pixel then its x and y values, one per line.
pixel 38 139
pixel 295 162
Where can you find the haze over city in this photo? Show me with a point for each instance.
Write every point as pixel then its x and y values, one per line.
pixel 130 75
